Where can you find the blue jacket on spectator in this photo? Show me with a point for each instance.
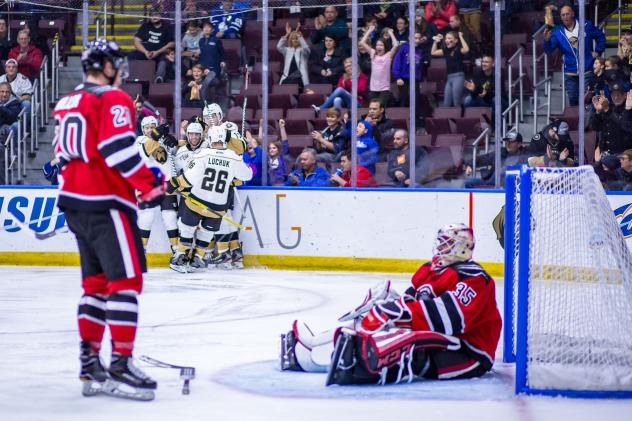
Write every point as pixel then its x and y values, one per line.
pixel 9 111
pixel 559 40
pixel 254 162
pixel 319 178
pixel 401 61
pixel 367 148
pixel 211 53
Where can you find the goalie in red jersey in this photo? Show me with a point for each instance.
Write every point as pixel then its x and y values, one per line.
pixel 446 325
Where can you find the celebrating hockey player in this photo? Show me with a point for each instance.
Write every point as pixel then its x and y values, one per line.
pixel 95 135
pixel 205 185
pixel 157 154
pixel 445 326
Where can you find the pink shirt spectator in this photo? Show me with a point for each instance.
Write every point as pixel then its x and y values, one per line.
pixel 380 72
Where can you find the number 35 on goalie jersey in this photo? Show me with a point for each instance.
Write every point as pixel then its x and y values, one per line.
pixel 210 174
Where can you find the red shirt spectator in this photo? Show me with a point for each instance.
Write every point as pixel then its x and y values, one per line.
pixel 28 56
pixel 345 83
pixel 365 178
pixel 439 12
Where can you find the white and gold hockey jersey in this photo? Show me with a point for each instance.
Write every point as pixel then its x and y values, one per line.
pixel 184 154
pixel 207 178
pixel 155 155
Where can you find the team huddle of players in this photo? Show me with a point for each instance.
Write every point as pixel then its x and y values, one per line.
pixel 202 172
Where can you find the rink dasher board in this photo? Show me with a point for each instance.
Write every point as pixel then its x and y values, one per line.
pixel 385 230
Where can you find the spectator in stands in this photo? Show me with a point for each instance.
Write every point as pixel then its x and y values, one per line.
pixel 326 64
pixel 456 25
pixel 254 157
pixel 597 80
pixel 342 177
pixel 612 121
pixel 606 170
pixel 192 11
pixel 623 174
pixel 401 70
pixel 554 134
pixel 211 51
pixel 5 43
pixel 624 49
pixel 28 56
pixel 295 53
pixel 341 96
pixel 513 153
pixel 191 44
pixel 198 90
pixel 383 127
pixel 454 48
pixel 471 12
pixel 228 23
pixel 565 37
pixel 330 25
pixel 309 174
pixel 278 164
pixel 438 14
pixel 552 158
pixel 401 32
pixel 614 71
pixel 364 60
pixel 9 109
pixel 332 140
pixel 480 88
pixel 385 13
pixel 20 85
pixel 30 26
pixel 151 42
pixel 381 59
pixel 398 159
pixel 366 146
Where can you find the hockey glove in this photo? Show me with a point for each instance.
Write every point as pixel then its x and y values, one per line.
pixel 385 315
pixel 161 134
pixel 380 292
pixel 154 196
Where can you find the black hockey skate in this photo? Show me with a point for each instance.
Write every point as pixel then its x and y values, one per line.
pixel 223 261
pixel 128 381
pixel 179 262
pixel 93 374
pixel 196 264
pixel 237 259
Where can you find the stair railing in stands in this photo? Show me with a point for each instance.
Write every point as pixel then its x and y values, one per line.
pixel 518 55
pixel 9 159
pixel 546 80
pixel 483 136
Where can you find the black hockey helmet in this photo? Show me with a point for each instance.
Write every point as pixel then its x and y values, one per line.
pixel 101 50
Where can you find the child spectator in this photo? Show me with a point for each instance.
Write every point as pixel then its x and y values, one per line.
pixel 401 70
pixel 211 50
pixel 401 31
pixel 278 166
pixel 381 59
pixel 332 140
pixel 253 157
pixel 191 44
pixel 367 148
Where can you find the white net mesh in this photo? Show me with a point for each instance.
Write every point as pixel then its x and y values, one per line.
pixel 580 286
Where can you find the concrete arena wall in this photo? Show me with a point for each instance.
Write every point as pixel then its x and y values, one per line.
pixel 329 229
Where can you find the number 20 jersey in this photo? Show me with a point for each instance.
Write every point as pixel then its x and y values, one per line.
pixel 94 135
pixel 211 173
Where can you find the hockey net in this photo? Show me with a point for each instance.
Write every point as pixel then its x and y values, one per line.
pixel 571 286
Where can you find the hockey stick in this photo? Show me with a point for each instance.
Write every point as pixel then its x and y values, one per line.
pixel 186 373
pixel 219 215
pixel 243 111
pixel 38 235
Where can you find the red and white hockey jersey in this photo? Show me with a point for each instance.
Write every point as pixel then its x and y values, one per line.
pixel 95 135
pixel 459 300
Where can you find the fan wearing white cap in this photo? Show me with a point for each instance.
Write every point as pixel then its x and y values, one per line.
pixel 20 85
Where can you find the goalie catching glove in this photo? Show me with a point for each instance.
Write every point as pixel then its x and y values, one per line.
pixel 387 314
pixel 380 292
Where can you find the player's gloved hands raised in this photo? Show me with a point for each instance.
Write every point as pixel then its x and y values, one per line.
pixel 154 196
pixel 387 314
pixel 161 134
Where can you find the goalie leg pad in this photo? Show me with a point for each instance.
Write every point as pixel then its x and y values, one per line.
pixel 385 357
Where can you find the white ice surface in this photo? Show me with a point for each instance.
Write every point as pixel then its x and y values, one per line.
pixel 227 325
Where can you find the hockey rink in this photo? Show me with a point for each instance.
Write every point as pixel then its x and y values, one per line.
pixel 227 324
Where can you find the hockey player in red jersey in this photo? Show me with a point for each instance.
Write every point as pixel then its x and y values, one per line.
pixel 445 326
pixel 95 137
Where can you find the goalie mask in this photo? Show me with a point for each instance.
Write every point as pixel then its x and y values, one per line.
pixel 213 114
pixel 194 135
pixel 218 137
pixel 148 124
pixel 454 243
